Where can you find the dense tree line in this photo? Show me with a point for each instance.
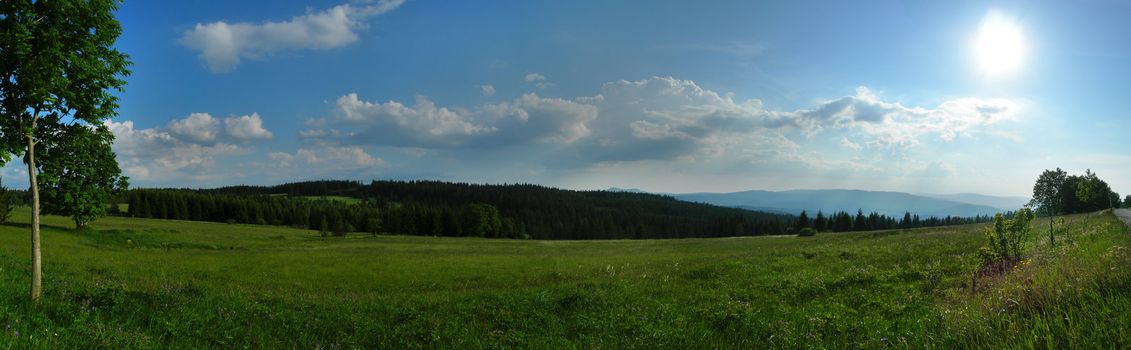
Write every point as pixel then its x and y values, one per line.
pixel 844 222
pixel 516 210
pixel 1058 193
pixel 449 209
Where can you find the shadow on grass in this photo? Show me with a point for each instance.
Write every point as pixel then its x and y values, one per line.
pixel 42 226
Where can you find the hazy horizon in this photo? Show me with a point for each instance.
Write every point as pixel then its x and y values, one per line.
pixel 961 97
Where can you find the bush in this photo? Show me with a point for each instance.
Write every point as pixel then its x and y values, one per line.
pixel 1005 237
pixel 5 204
pixel 807 232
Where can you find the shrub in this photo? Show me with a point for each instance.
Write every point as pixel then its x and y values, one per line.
pixel 807 232
pixel 5 204
pixel 1005 237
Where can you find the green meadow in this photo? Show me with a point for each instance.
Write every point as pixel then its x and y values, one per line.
pixel 140 283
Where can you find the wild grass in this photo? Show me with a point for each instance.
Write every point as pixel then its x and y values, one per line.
pixel 139 283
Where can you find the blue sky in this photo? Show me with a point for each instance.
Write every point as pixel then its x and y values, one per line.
pixel 673 96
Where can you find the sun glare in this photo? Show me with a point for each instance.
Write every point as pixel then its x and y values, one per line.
pixel 1000 46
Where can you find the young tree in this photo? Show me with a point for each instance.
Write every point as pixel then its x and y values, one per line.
pixel 57 64
pixel 79 173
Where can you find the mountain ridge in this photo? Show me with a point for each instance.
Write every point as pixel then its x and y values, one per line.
pixel 889 203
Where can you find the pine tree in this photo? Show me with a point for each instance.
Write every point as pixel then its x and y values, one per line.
pixel 802 220
pixel 820 224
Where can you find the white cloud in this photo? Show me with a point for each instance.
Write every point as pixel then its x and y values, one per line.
pixel 892 125
pixel 155 154
pixel 662 120
pixel 198 127
pixel 223 45
pixel 667 118
pixel 248 127
pixel 394 123
pixel 326 158
pixel 487 90
pixel 538 80
pixel 427 125
pixel 531 117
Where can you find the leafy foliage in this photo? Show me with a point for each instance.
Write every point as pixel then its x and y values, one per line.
pixel 1057 193
pixel 1047 191
pixel 5 204
pixel 79 173
pixel 1006 236
pixel 58 65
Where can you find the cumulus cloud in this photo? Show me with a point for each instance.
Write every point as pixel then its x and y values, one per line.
pixel 187 148
pixel 427 125
pixel 656 119
pixel 199 127
pixel 346 157
pixel 531 117
pixel 892 125
pixel 393 123
pixel 248 127
pixel 156 154
pixel 666 118
pixel 205 129
pixel 222 45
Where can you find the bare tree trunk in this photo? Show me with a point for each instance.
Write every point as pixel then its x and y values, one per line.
pixel 36 257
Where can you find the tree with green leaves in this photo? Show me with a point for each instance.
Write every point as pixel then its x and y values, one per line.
pixel 1047 196
pixel 1093 193
pixel 79 173
pixel 58 65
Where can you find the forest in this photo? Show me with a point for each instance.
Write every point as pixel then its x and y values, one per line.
pixel 435 208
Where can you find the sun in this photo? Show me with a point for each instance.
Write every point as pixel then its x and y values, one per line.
pixel 999 48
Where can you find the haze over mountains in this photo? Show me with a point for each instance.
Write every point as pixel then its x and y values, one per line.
pixel 887 203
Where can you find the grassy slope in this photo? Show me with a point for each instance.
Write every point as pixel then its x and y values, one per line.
pixel 155 284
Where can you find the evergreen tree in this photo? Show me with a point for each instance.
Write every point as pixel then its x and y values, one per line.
pixel 820 224
pixel 803 220
pixel 861 222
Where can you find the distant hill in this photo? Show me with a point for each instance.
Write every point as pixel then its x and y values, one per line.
pixel 455 209
pixel 887 203
pixel 1005 203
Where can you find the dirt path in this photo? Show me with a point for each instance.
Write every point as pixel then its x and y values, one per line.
pixel 1125 215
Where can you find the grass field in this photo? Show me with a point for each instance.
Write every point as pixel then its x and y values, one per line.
pixel 141 283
